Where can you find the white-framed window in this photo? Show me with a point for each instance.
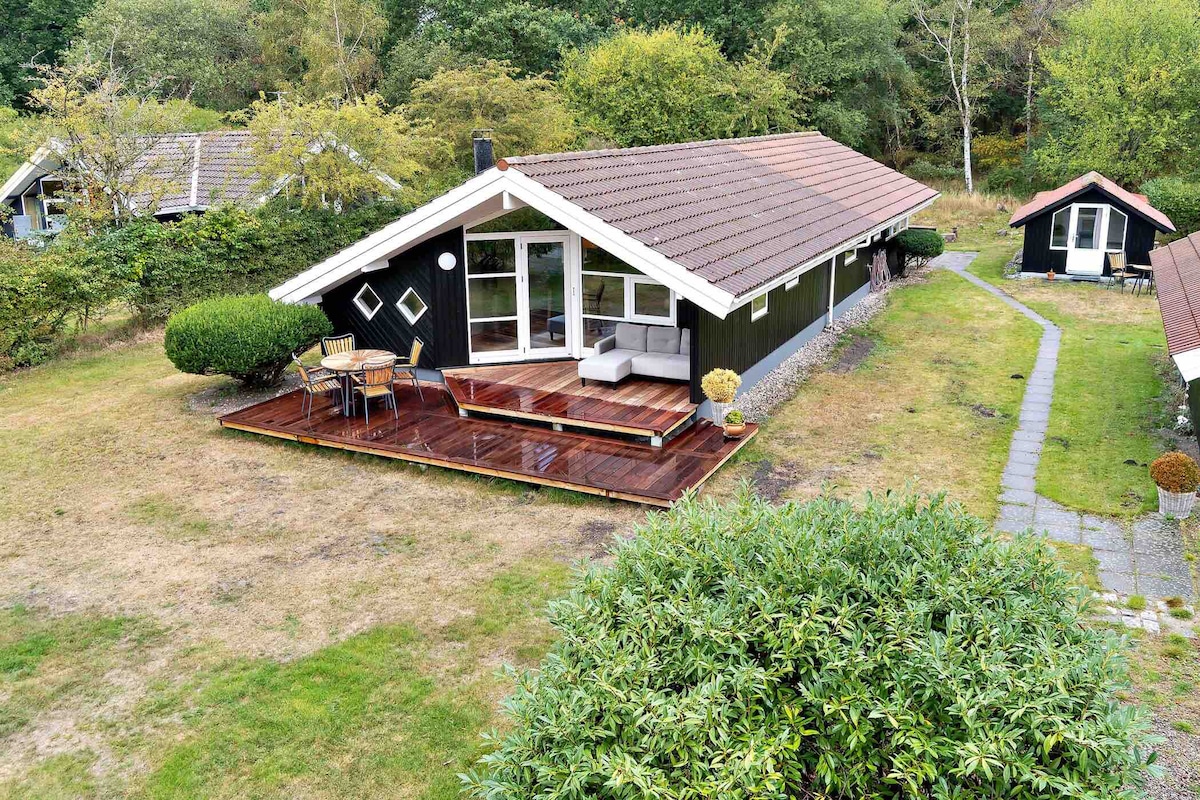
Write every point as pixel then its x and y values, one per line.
pixel 367 302
pixel 851 256
pixel 411 305
pixel 1060 225
pixel 758 307
pixel 792 284
pixel 615 292
pixel 1114 240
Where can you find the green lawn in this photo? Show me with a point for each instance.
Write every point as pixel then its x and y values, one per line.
pixel 933 405
pixel 1109 393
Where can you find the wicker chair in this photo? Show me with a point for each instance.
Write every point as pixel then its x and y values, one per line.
pixel 407 370
pixel 377 379
pixel 343 343
pixel 315 382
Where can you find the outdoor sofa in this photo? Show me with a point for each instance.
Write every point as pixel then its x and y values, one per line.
pixel 649 351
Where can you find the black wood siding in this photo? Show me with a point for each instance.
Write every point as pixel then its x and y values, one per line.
pixel 737 343
pixel 443 327
pixel 1038 257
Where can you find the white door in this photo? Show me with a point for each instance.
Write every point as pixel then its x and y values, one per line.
pixel 1085 241
pixel 518 286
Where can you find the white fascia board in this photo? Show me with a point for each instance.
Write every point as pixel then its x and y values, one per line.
pixel 1188 363
pixel 390 239
pixel 862 240
pixel 620 244
pixel 15 181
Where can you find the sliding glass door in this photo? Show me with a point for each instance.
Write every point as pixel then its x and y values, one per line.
pixel 517 290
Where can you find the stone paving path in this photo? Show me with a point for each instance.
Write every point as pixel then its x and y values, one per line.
pixel 1144 557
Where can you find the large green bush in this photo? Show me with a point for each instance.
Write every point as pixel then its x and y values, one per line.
pixel 918 245
pixel 1179 199
pixel 250 337
pixel 809 650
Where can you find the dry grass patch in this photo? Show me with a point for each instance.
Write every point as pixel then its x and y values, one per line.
pixel 932 404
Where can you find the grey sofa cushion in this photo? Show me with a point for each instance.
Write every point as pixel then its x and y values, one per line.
pixel 610 366
pixel 685 341
pixel 662 340
pixel 631 337
pixel 662 365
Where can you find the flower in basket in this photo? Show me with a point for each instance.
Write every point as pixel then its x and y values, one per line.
pixel 1175 472
pixel 721 385
pixel 735 417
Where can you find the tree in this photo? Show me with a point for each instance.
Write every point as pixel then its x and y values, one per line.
pixel 525 115
pixel 843 63
pixel 952 30
pixel 105 132
pixel 1123 92
pixel 332 152
pixel 1039 23
pixel 33 31
pixel 201 50
pixel 672 85
pixel 318 48
pixel 736 26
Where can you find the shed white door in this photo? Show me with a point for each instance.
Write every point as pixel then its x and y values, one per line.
pixel 1085 242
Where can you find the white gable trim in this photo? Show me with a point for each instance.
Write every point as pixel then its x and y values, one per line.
pixel 14 184
pixel 444 211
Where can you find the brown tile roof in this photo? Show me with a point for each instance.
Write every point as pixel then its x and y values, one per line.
pixel 736 212
pixel 1177 279
pixel 1138 202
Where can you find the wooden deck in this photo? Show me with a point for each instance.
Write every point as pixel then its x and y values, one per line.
pixel 433 433
pixel 550 392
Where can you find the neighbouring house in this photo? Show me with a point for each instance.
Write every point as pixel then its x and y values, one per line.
pixel 1177 282
pixel 194 172
pixel 1073 229
pixel 729 253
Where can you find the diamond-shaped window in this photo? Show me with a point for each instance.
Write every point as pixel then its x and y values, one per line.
pixel 411 305
pixel 367 301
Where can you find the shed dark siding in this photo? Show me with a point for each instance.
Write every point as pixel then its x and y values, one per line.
pixel 1038 257
pixel 443 327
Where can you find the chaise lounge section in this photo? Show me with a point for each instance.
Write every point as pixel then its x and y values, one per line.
pixel 650 351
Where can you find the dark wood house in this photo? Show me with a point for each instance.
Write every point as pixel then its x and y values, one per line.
pixel 1073 230
pixel 750 245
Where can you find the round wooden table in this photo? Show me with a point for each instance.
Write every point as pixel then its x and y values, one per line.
pixel 349 362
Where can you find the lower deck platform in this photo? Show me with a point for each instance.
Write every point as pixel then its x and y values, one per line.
pixel 432 432
pixel 551 392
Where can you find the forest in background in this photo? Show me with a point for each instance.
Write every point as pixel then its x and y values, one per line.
pixel 1007 97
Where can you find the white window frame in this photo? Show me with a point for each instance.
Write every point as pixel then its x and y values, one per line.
pixel 627 304
pixel 361 306
pixel 631 302
pixel 406 312
pixel 1124 230
pixel 851 256
pixel 792 284
pixel 1070 212
pixel 762 312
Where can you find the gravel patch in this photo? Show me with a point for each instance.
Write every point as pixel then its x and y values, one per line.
pixel 780 385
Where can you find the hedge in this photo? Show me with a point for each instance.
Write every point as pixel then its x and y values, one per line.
pixel 249 337
pixel 1179 199
pixel 895 650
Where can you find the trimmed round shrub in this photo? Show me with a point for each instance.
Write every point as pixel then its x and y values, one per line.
pixel 820 650
pixel 250 337
pixel 920 245
pixel 1175 472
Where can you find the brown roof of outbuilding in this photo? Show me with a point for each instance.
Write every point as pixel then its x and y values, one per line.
pixel 1137 202
pixel 1177 279
pixel 736 212
pixel 200 170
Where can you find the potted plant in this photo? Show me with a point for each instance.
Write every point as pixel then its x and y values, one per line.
pixel 1176 476
pixel 1049 274
pixel 735 424
pixel 720 387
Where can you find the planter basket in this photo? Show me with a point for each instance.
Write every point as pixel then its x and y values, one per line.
pixel 1176 504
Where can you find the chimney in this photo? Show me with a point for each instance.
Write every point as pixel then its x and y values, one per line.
pixel 485 157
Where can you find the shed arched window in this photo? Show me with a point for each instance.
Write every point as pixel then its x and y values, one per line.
pixel 1059 224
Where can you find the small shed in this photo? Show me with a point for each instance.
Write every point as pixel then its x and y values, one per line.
pixel 1073 229
pixel 1177 279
